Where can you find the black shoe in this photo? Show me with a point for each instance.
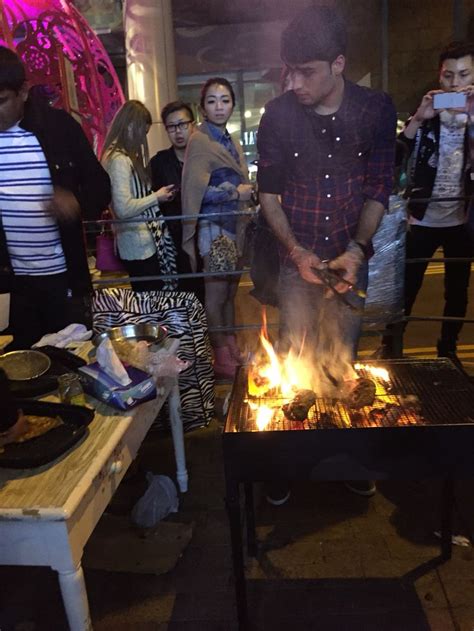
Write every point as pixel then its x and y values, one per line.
pixel 448 350
pixel 277 493
pixel 366 488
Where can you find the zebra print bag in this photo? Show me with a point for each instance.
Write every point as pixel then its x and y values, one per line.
pixel 184 316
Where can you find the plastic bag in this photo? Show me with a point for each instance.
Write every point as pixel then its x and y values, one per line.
pixel 157 502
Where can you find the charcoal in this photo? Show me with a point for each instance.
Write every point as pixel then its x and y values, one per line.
pixel 362 395
pixel 297 409
pixel 357 419
pixel 393 413
pixel 326 421
pixel 377 417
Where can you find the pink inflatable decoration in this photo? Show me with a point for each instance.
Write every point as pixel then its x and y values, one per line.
pixel 66 62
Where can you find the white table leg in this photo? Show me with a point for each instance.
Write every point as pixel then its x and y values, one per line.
pixel 73 590
pixel 174 404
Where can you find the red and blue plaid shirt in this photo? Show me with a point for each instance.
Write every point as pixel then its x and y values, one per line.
pixel 326 167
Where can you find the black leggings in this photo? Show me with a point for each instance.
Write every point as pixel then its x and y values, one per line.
pixel 422 242
pixel 145 267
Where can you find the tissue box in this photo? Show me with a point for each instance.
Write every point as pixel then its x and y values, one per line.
pixel 97 383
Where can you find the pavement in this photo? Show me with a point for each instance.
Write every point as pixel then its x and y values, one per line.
pixel 327 560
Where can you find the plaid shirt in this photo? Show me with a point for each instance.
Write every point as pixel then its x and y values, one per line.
pixel 326 167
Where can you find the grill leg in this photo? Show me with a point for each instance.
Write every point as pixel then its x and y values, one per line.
pixel 233 512
pixel 250 520
pixel 447 518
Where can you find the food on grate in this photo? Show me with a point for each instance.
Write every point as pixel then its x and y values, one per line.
pixel 377 417
pixel 362 395
pixel 411 402
pixel 38 425
pixel 326 421
pixel 393 413
pixel 297 409
pixel 358 419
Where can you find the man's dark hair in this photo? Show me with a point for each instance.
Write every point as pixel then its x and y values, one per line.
pixel 12 71
pixel 175 106
pixel 216 81
pixel 316 34
pixel 456 50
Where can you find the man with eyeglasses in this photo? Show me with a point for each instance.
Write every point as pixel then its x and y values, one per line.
pixel 166 168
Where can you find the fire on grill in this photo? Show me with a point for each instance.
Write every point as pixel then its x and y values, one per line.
pixel 289 391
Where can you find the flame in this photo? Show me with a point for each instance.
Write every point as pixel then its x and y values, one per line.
pixel 273 380
pixel 263 414
pixel 272 373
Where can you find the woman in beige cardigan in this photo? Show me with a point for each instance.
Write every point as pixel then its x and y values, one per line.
pixel 215 182
pixel 145 248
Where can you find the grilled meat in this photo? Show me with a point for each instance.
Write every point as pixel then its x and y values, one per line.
pixel 362 395
pixel 297 409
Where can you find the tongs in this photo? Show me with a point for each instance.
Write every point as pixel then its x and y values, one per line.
pixel 330 278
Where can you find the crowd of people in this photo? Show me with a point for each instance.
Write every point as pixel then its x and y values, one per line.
pixel 326 150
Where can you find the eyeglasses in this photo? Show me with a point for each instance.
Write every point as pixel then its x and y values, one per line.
pixel 172 129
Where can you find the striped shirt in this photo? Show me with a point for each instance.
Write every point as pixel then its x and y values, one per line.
pixel 32 234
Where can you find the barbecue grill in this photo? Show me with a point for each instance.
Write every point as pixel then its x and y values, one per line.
pixel 431 435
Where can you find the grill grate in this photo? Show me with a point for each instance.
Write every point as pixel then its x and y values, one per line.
pixel 445 394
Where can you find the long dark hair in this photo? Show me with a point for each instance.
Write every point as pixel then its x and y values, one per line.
pixel 127 134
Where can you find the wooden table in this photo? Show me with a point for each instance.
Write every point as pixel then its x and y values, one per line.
pixel 47 514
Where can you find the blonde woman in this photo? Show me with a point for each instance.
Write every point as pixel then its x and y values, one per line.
pixel 145 248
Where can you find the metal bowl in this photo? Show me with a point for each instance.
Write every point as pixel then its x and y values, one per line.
pixel 152 333
pixel 24 365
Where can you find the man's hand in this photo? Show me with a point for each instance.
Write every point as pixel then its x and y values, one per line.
pixel 426 110
pixel 306 261
pixel 64 205
pixel 347 264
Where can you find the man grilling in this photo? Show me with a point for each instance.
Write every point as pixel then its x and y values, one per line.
pixel 326 153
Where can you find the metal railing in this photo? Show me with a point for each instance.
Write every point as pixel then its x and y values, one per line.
pixel 397 327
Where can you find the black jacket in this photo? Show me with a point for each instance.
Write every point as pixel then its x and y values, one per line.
pixel 167 169
pixel 422 172
pixel 74 167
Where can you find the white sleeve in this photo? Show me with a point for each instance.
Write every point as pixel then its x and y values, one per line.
pixel 125 205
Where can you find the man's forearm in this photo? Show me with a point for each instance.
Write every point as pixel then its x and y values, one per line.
pixel 277 220
pixel 369 221
pixel 412 128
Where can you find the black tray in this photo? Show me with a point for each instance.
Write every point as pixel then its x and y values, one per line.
pixel 44 449
pixel 62 361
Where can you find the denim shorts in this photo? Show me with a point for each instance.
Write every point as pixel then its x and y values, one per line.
pixel 207 232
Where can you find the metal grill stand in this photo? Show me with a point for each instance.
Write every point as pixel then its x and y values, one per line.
pixel 440 446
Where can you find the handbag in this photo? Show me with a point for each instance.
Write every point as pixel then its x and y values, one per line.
pixel 107 258
pixel 223 254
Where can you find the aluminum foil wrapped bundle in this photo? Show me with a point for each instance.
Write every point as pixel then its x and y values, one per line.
pixel 385 300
